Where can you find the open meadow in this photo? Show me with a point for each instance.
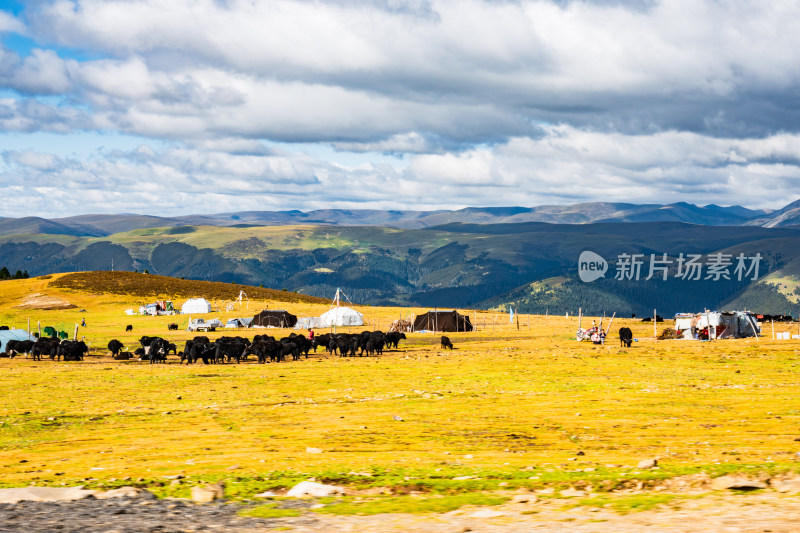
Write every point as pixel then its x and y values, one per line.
pixel 515 406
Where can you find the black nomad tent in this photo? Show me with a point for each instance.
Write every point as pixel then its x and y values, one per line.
pixel 442 321
pixel 276 319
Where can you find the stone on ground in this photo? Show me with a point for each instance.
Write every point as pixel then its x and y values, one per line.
pixel 44 494
pixel 316 490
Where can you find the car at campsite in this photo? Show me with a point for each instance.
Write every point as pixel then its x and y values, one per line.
pixel 201 324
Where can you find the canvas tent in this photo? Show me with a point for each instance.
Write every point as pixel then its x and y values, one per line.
pixel 308 322
pixel 717 325
pixel 342 316
pixel 238 322
pixel 442 321
pixel 11 334
pixel 275 319
pixel 196 306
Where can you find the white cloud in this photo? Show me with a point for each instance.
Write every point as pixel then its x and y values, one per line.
pixel 523 171
pixel 9 23
pixel 409 103
pixel 42 72
pixel 31 159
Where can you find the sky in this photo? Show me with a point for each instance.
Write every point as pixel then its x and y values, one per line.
pixel 209 106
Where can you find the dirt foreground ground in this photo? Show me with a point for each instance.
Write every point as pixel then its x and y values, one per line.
pixel 709 512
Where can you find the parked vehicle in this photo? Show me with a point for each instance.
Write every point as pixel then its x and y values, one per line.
pixel 201 324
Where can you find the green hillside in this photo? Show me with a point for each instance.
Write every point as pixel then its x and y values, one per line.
pixel 530 265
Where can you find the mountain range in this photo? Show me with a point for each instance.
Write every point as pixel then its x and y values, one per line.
pixel 587 213
pixel 526 258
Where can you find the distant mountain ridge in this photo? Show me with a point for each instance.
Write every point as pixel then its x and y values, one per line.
pixel 532 266
pixel 96 225
pixel 487 257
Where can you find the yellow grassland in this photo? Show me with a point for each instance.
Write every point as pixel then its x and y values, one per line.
pixel 505 398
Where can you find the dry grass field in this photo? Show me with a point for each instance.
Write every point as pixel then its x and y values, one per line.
pixel 508 408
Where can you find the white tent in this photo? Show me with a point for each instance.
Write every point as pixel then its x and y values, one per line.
pixel 341 316
pixel 197 306
pixel 309 322
pixel 11 334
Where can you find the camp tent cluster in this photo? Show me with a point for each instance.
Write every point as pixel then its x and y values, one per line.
pixel 161 307
pixel 712 325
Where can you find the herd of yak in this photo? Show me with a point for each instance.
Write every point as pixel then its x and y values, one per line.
pixel 263 348
pixel 53 348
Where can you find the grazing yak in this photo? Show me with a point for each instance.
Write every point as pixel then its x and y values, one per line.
pixel 230 349
pixel 123 356
pixel 45 346
pixel 71 350
pixel 14 347
pixel 114 346
pixel 625 337
pixel 393 338
pixel 446 343
pixel 158 349
pixel 172 327
pixel 129 327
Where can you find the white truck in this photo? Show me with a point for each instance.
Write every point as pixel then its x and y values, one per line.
pixel 201 324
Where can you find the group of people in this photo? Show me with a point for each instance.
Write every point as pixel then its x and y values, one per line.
pixel 596 334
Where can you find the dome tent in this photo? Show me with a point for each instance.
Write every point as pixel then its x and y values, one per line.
pixel 196 306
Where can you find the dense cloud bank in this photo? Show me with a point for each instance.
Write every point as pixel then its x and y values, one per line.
pixel 227 105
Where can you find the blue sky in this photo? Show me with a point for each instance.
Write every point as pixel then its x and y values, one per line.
pixel 202 106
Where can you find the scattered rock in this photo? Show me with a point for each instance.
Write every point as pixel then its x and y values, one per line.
pixel 647 463
pixel 44 494
pixel 313 450
pixel 123 492
pixel 737 483
pixel 463 478
pixel 209 493
pixel 268 494
pixel 317 490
